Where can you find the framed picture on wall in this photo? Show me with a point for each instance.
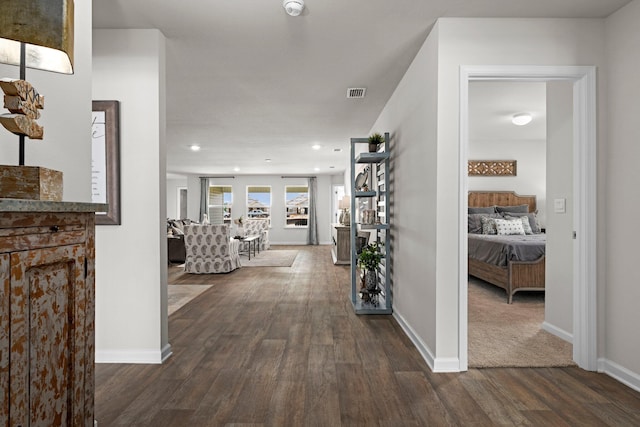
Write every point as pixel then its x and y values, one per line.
pixel 105 160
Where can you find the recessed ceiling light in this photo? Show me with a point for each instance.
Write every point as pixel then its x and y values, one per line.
pixel 332 167
pixel 316 169
pixel 337 150
pixel 316 146
pixel 267 160
pixel 194 147
pixel 236 169
pixel 521 119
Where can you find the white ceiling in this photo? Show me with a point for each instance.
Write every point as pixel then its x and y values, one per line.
pixel 248 82
pixel 493 104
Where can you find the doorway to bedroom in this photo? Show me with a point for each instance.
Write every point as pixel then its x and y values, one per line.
pixel 509 310
pixel 570 182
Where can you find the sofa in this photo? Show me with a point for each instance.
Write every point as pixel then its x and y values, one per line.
pixel 175 240
pixel 258 226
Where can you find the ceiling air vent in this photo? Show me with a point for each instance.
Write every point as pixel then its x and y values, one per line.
pixel 356 92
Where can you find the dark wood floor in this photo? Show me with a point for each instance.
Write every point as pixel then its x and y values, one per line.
pixel 281 347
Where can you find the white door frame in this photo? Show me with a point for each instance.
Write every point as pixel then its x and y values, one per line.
pixel 584 184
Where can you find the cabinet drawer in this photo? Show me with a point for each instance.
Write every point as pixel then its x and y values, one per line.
pixel 21 232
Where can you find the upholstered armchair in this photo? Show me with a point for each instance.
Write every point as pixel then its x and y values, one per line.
pixel 258 226
pixel 210 249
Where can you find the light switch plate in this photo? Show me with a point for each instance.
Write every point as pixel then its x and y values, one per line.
pixel 559 205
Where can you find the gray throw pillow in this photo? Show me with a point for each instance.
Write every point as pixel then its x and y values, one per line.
pixel 474 221
pixel 513 209
pixel 487 210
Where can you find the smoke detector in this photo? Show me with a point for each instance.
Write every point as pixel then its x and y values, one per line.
pixel 293 7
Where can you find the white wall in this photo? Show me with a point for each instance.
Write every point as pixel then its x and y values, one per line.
pixel 66 118
pixel 131 315
pixel 410 118
pixel 559 249
pixel 278 234
pixel 172 196
pixel 621 198
pixel 414 115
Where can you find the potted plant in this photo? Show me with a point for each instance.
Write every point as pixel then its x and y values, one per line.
pixel 375 139
pixel 368 260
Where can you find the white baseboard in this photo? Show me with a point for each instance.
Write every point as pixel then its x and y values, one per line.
pixel 423 349
pixel 442 364
pixel 620 373
pixel 166 352
pixel 560 333
pixel 134 356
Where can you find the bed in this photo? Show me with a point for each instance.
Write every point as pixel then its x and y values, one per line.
pixel 514 263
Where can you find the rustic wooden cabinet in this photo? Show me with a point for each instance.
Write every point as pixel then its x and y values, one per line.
pixel 341 249
pixel 46 313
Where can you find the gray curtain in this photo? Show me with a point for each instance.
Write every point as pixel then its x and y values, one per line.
pixel 204 197
pixel 312 230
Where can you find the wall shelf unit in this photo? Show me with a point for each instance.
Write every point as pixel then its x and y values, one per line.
pixel 370 219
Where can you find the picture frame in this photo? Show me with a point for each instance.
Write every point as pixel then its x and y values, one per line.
pixel 105 160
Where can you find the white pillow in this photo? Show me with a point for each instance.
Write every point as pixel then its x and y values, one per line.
pixel 509 226
pixel 526 226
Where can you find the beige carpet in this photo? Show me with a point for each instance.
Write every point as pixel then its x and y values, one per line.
pixel 270 258
pixel 510 335
pixel 179 295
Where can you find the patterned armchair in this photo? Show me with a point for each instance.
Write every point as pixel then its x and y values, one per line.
pixel 210 249
pixel 258 226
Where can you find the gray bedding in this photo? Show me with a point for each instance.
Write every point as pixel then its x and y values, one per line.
pixel 498 250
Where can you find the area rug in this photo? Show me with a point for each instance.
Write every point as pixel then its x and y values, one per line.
pixel 510 335
pixel 270 258
pixel 179 295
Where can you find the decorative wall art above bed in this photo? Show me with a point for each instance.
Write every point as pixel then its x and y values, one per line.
pixel 492 168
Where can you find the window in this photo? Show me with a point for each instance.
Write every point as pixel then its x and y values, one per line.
pixel 259 202
pixel 220 203
pixel 297 205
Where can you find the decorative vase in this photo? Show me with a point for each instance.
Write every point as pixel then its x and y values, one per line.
pixel 371 280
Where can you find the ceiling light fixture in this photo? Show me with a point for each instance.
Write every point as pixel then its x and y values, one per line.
pixel 293 7
pixel 316 146
pixel 521 119
pixel 194 147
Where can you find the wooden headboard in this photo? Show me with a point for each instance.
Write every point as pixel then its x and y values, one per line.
pixel 482 199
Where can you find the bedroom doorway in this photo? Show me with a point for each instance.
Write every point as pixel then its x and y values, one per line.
pixel 530 166
pixel 584 192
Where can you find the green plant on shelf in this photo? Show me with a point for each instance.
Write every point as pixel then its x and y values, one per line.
pixel 370 256
pixel 375 139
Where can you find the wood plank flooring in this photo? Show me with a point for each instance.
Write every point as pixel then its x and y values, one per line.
pixel 280 346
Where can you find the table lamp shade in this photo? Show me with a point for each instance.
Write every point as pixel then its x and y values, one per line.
pixel 46 28
pixel 344 203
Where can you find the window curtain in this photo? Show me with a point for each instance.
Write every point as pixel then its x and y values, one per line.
pixel 204 198
pixel 312 229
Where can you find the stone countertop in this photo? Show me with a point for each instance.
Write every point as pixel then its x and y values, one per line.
pixel 21 205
